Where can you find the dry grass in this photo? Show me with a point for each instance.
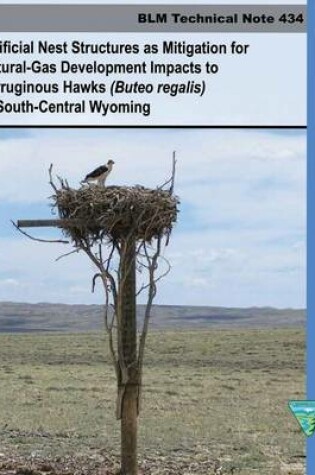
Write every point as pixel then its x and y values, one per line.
pixel 208 395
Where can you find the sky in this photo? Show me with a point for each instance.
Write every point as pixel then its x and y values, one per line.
pixel 240 236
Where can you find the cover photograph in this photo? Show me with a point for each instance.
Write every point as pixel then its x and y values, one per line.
pixel 156 255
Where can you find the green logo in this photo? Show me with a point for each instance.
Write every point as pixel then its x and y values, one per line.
pixel 304 412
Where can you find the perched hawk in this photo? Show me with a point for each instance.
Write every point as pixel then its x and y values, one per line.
pixel 100 174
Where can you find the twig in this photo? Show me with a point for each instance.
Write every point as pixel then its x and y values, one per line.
pixel 172 177
pixel 51 181
pixel 173 173
pixel 96 276
pixel 74 251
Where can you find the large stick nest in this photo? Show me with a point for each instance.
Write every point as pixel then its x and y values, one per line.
pixel 94 212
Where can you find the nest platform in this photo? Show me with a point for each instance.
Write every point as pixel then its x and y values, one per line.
pixel 115 212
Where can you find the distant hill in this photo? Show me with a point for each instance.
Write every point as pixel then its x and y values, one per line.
pixel 26 317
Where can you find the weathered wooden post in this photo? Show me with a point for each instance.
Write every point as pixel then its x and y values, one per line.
pixel 129 389
pixel 131 223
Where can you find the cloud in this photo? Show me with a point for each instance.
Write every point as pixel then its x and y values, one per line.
pixel 240 237
pixel 10 282
pixel 198 282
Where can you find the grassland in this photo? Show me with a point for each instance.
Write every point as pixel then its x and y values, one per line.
pixel 207 395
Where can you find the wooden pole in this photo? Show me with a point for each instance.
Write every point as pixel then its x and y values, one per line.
pixel 46 223
pixel 129 403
